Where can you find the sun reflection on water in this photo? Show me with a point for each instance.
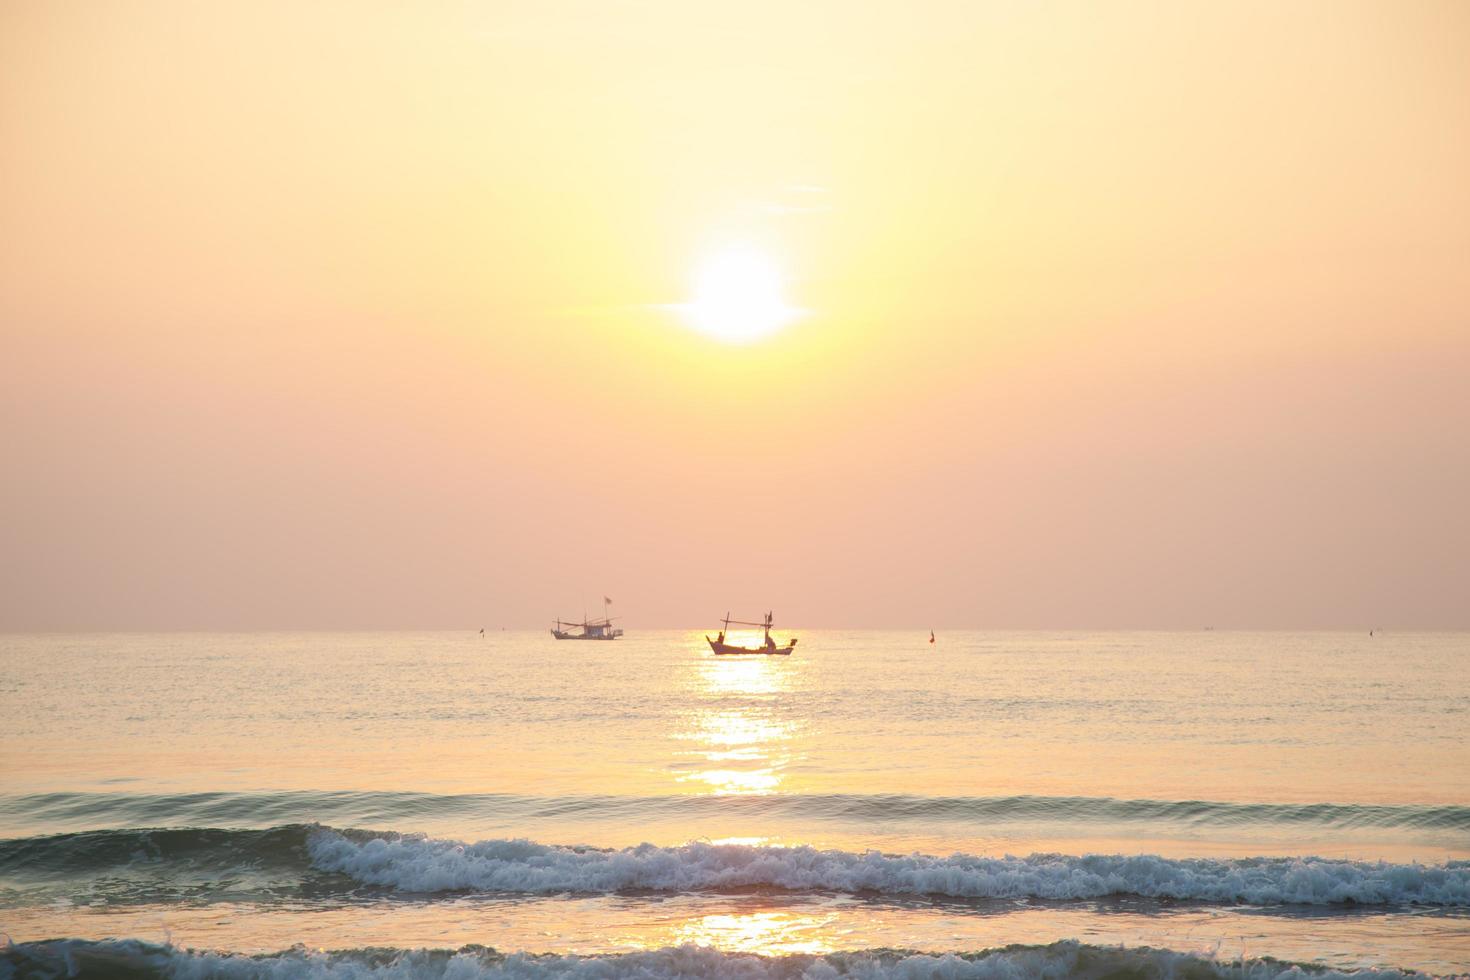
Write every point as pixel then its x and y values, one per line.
pixel 770 933
pixel 738 727
pixel 740 741
pixel 730 782
pixel 754 675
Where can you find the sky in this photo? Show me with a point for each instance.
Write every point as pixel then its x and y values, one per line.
pixel 1064 315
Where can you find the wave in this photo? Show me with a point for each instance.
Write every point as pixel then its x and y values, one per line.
pixel 95 810
pixel 166 867
pixel 84 960
pixel 139 865
pixel 197 849
pixel 420 864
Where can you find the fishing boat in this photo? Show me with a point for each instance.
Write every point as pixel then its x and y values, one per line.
pixel 768 648
pixel 588 629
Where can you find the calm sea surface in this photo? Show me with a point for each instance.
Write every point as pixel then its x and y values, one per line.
pixel 428 804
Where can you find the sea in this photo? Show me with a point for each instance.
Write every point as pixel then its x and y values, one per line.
pixel 876 806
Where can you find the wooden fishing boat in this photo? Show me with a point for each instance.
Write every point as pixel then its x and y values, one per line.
pixel 768 648
pixel 588 629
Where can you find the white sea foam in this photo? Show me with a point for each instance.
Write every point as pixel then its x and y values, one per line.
pixel 420 864
pixel 1064 959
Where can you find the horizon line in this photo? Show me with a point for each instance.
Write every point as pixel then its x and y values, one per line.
pixel 84 631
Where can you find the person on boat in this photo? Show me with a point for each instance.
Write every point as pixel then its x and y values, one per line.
pixel 721 637
pixel 770 643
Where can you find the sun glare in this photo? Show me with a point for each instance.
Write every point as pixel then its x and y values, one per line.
pixel 738 297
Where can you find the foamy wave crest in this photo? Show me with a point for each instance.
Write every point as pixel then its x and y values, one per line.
pixel 85 960
pixel 420 864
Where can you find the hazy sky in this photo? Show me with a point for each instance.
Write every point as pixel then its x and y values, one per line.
pixel 377 315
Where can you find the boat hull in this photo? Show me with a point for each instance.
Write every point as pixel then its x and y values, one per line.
pixel 726 650
pixel 579 636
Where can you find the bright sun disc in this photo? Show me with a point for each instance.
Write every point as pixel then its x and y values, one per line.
pixel 738 297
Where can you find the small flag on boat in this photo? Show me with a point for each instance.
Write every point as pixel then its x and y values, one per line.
pixel 931 636
pixel 606 601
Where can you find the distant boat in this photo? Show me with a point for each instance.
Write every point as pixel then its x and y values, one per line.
pixel 768 648
pixel 588 629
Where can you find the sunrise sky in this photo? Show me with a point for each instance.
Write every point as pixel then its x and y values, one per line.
pixel 931 315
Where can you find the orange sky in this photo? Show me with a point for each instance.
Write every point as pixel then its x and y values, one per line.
pixel 367 315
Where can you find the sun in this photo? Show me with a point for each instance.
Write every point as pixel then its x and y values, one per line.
pixel 738 296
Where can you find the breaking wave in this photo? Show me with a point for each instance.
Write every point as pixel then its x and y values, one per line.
pixel 131 958
pixel 131 865
pixel 419 864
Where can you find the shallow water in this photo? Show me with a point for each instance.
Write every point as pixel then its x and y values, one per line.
pixel 1298 796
